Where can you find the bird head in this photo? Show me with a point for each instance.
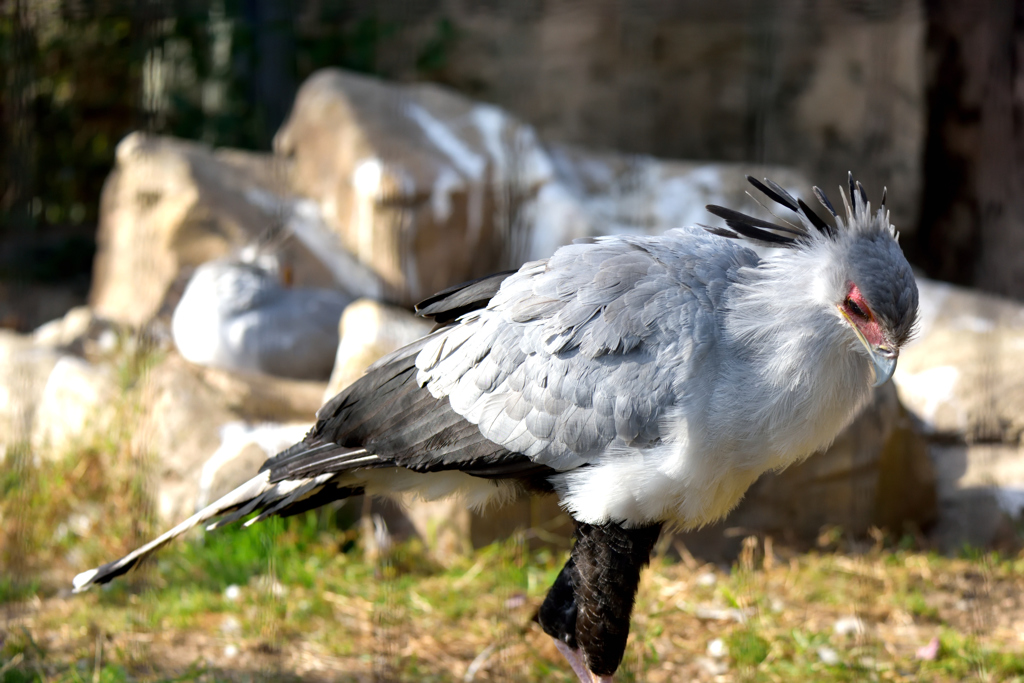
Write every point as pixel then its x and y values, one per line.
pixel 865 283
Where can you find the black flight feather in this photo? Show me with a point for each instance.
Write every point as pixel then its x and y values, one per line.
pixel 779 189
pixel 721 232
pixel 449 304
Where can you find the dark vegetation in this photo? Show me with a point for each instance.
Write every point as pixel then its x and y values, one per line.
pixel 78 76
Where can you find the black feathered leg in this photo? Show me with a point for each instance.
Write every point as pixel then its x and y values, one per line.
pixel 590 603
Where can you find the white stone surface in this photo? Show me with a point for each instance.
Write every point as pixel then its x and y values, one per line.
pixel 76 404
pixel 370 330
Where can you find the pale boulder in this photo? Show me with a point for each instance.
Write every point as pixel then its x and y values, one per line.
pixel 963 380
pixel 423 185
pixel 170 205
pixel 243 449
pixel 238 314
pixel 78 404
pixel 962 374
pixel 180 424
pixel 24 372
pixel 596 193
pixel 370 330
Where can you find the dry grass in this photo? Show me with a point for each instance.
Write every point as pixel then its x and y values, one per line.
pixel 307 606
pixel 297 600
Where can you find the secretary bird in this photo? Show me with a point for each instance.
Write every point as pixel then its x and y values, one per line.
pixel 645 381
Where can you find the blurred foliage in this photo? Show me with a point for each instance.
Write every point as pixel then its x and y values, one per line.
pixel 80 74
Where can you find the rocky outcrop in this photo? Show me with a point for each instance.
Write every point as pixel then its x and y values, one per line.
pixel 199 442
pixel 170 205
pixel 962 379
pixel 422 184
pixel 962 375
pixel 191 433
pixel 608 193
pixel 24 372
pixel 370 330
pixel 427 188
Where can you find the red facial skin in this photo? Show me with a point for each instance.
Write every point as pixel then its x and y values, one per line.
pixel 860 313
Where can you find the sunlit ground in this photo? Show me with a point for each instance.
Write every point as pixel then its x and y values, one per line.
pixel 299 600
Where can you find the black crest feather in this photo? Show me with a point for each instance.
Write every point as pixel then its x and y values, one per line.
pixel 823 200
pixel 767 232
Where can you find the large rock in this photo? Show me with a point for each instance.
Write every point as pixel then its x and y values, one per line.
pixel 962 374
pixel 262 398
pixel 597 193
pixel 428 188
pixel 981 495
pixel 421 184
pixel 24 372
pixel 370 330
pixel 78 404
pixel 180 424
pixel 170 205
pixel 963 380
pixel 207 431
pixel 243 449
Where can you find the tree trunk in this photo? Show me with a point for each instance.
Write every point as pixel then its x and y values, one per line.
pixel 972 218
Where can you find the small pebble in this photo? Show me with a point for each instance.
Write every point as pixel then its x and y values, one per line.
pixel 717 648
pixel 848 626
pixel 107 341
pixel 705 613
pixel 230 626
pixel 232 593
pixel 707 579
pixel 715 667
pixel 515 601
pixel 230 651
pixel 828 656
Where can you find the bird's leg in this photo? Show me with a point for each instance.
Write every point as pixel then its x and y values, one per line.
pixel 575 659
pixel 588 608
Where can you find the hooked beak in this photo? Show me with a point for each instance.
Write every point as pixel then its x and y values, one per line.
pixel 883 358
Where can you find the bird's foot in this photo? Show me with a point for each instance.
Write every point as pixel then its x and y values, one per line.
pixel 579 666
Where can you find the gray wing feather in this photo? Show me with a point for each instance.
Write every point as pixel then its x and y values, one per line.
pixel 590 348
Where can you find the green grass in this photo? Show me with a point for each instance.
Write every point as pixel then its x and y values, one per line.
pixel 308 604
pixel 427 622
pixel 747 648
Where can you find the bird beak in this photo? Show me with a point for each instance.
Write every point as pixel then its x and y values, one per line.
pixel 883 358
pixel 883 362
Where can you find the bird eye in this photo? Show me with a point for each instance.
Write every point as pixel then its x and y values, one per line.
pixel 854 308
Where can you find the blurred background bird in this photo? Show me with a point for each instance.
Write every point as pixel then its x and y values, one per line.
pixel 240 313
pixel 646 381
